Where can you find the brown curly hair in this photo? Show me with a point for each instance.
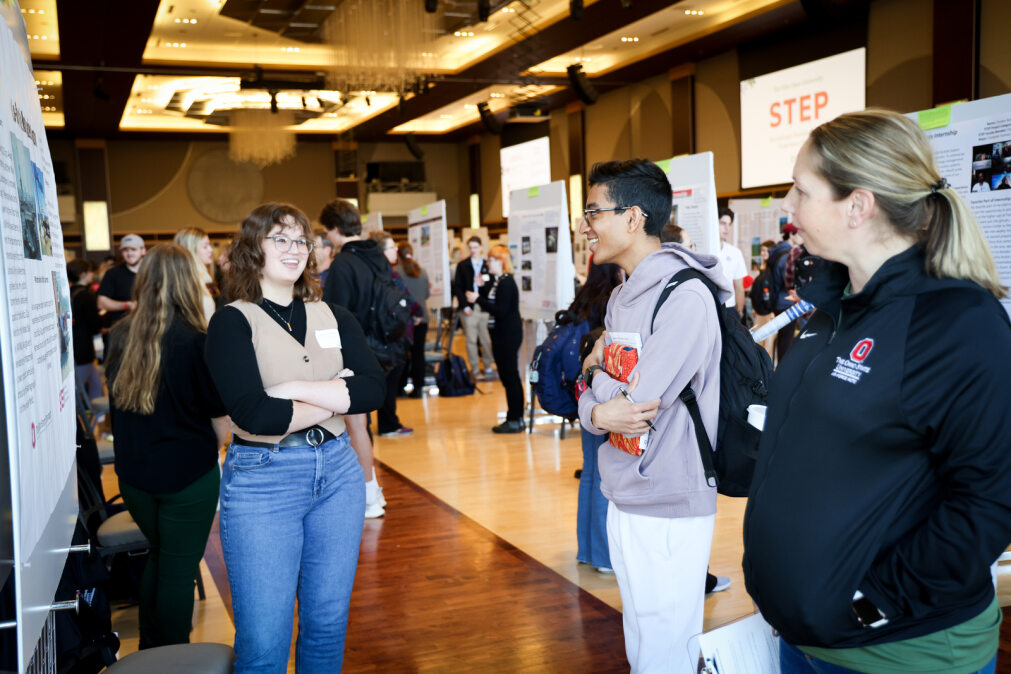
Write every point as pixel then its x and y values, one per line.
pixel 245 256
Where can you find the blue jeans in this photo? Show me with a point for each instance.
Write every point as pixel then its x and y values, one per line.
pixel 591 509
pixel 291 524
pixel 792 660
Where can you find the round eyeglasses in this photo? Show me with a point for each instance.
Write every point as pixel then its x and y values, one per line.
pixel 283 244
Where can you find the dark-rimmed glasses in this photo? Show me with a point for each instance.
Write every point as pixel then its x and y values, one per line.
pixel 588 213
pixel 284 245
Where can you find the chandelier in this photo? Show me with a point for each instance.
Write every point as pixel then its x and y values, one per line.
pixel 262 137
pixel 383 45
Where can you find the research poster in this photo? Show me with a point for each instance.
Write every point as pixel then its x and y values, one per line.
pixel 524 165
pixel 426 232
pixel 541 248
pixel 755 221
pixel 37 348
pixel 693 196
pixel 780 109
pixel 972 148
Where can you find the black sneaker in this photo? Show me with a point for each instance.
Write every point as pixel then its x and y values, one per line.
pixel 515 426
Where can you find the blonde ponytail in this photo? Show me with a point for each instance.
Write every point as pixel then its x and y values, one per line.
pixel 887 153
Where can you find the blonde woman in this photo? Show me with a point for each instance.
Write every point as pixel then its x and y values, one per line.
pixel 882 493
pixel 169 424
pixel 196 241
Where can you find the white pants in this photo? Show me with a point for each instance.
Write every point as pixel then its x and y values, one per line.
pixel 660 564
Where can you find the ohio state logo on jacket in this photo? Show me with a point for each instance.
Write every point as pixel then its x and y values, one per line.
pixel 852 369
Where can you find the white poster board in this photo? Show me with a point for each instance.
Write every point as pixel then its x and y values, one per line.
pixel 372 222
pixel 524 165
pixel 780 109
pixel 36 345
pixel 426 232
pixel 972 148
pixel 693 195
pixel 755 221
pixel 541 247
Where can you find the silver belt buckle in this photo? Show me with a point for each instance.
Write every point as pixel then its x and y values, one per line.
pixel 314 436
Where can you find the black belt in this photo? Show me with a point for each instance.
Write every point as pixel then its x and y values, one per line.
pixel 314 436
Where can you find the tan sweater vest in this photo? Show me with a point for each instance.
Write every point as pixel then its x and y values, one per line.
pixel 281 358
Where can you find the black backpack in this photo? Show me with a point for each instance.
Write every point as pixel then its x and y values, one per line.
pixel 385 324
pixel 453 378
pixel 764 290
pixel 745 369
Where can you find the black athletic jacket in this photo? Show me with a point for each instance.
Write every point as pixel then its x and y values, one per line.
pixel 350 280
pixel 885 463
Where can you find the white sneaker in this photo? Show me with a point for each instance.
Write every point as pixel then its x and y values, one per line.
pixel 374 510
pixel 722 583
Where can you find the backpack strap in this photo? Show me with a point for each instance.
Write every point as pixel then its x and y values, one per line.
pixel 687 395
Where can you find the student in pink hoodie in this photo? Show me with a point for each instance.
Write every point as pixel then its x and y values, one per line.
pixel 660 519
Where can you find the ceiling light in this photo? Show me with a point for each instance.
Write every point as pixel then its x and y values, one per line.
pixel 496 94
pixel 629 39
pixel 445 116
pixel 694 12
pixel 464 33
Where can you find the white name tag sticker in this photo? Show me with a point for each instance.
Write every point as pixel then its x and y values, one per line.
pixel 328 339
pixel 626 339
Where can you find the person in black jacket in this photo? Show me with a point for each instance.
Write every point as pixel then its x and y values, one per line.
pixel 169 423
pixel 501 299
pixel 882 493
pixel 470 275
pixel 87 324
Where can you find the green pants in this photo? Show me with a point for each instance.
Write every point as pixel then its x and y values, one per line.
pixel 177 526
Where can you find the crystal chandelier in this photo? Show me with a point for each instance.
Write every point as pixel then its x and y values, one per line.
pixel 261 136
pixel 381 45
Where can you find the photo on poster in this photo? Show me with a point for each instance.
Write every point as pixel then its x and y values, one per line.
pixel 25 176
pixel 551 239
pixel 991 164
pixel 526 265
pixel 41 213
pixel 61 299
pixel 525 245
pixel 426 234
pixel 527 284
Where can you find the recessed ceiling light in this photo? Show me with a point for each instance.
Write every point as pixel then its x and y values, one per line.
pixel 464 33
pixel 629 39
pixel 694 12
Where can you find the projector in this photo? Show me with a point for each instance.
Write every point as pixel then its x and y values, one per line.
pixel 527 114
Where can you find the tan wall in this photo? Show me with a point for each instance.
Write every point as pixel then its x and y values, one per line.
pixel 900 44
pixel 148 192
pixel 994 48
pixel 718 117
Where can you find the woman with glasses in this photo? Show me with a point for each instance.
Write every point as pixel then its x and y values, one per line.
pixel 169 423
pixel 501 299
pixel 292 491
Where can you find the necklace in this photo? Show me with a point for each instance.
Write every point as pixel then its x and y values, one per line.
pixel 291 309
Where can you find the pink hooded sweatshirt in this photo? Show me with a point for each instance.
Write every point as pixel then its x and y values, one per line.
pixel 684 347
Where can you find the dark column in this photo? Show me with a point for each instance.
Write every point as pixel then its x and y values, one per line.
pixel 93 185
pixel 682 98
pixel 956 50
pixel 577 140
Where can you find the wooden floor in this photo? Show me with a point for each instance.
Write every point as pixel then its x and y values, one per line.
pixel 473 568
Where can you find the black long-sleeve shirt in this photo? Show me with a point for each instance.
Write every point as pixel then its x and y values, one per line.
pixel 504 307
pixel 232 363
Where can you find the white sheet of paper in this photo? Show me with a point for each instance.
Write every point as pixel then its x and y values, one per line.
pixel 328 339
pixel 626 339
pixel 746 646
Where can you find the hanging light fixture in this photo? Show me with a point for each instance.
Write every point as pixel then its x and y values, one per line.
pixel 261 137
pixel 381 45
